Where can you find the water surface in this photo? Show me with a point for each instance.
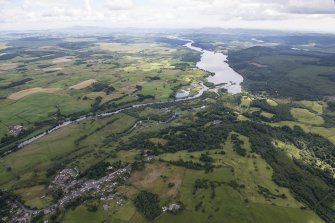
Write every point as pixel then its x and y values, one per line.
pixel 216 63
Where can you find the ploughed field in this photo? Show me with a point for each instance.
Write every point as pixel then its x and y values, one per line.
pixel 258 156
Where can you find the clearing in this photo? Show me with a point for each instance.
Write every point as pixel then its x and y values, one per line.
pixel 304 116
pixel 20 94
pixel 156 177
pixel 83 84
pixel 61 60
pixel 7 66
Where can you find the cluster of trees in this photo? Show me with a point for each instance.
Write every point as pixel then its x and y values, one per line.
pixel 237 144
pixel 329 120
pixel 148 204
pixel 142 97
pixel 281 112
pixel 6 199
pixel 16 83
pixel 138 165
pixel 205 184
pixel 192 57
pixel 199 206
pixel 204 157
pixel 96 103
pixel 330 77
pixel 274 78
pixel 9 56
pixel 54 169
pixel 181 66
pixel 153 78
pixel 56 194
pixel 210 184
pixel 191 137
pixel 96 171
pixel 331 106
pixel 325 60
pixel 102 86
pixel 307 181
pixel 7 138
pixel 187 164
pixel 170 41
pixel 268 194
pixel 75 45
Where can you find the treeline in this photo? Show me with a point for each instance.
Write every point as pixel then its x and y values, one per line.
pixel 170 41
pixel 212 185
pixel 187 164
pixel 306 180
pixel 102 86
pixel 142 97
pixel 9 56
pixel 16 83
pixel 6 201
pixel 281 111
pixel 96 171
pixel 75 45
pixel 237 145
pixel 309 184
pixel 191 137
pixel 278 80
pixel 148 204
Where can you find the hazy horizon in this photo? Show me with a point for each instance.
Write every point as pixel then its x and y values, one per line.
pixel 290 15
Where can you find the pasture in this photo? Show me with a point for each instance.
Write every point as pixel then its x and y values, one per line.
pixel 7 66
pixel 35 196
pixel 51 82
pixel 29 165
pixel 313 106
pixel 233 204
pixel 18 95
pixel 306 117
pixel 83 84
pixel 143 67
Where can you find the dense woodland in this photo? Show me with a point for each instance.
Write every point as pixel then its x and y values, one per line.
pixel 309 184
pixel 148 204
pixel 275 77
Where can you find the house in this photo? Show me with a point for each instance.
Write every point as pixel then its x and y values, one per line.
pixel 15 130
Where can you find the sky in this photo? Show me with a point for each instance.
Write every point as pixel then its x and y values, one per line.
pixel 298 15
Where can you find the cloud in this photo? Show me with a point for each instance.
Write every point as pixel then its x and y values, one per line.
pixel 311 7
pixel 169 13
pixel 119 4
pixel 88 5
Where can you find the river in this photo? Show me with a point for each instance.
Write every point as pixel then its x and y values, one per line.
pixel 213 62
pixel 216 63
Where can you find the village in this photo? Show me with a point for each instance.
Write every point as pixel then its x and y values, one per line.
pixel 103 188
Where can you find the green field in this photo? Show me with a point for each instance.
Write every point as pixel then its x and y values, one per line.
pixel 141 67
pixel 53 149
pixel 306 117
pixel 264 155
pixel 229 205
pixel 35 196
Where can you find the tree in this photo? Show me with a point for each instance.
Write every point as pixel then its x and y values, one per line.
pixel 148 204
